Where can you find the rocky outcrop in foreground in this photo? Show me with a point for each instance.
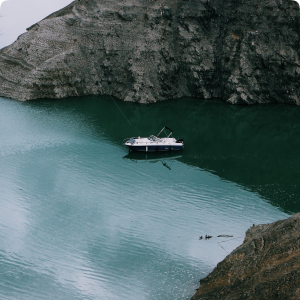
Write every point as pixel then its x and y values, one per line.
pixel 266 266
pixel 149 50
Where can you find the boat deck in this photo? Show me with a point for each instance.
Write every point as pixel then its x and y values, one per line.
pixel 161 144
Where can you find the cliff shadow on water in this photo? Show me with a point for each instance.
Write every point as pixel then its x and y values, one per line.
pixel 256 147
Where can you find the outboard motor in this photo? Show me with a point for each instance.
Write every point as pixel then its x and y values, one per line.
pixel 179 141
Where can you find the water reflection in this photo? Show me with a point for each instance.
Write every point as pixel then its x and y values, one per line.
pixel 254 146
pixel 83 219
pixel 166 159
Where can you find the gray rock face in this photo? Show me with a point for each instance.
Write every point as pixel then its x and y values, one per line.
pixel 266 266
pixel 146 50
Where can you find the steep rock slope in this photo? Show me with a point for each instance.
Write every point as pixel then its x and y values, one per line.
pixel 265 266
pixel 147 50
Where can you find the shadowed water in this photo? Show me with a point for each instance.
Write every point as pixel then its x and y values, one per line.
pixel 82 218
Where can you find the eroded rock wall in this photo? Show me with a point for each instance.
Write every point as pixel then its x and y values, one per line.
pixel 266 266
pixel 147 51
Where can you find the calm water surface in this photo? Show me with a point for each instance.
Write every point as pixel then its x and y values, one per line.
pixel 82 218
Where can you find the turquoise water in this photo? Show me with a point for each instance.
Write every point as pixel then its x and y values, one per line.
pixel 82 218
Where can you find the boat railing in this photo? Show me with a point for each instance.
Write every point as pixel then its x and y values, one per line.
pixel 152 138
pixel 133 138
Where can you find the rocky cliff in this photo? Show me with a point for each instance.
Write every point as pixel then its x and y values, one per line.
pixel 148 50
pixel 266 266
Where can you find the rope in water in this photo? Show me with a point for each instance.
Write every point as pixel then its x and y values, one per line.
pixel 120 110
pixel 228 241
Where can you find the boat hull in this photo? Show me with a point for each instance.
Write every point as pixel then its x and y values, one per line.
pixel 155 148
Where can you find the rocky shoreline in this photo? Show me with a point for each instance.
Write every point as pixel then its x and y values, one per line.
pixel 266 266
pixel 244 52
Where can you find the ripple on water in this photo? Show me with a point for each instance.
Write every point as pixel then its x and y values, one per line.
pixel 82 219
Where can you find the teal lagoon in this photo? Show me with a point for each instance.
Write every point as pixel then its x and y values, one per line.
pixel 82 218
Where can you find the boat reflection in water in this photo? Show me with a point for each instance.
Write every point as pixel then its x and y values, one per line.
pixel 166 158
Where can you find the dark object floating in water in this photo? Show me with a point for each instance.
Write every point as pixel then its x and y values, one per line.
pixel 209 236
pixel 154 143
pixel 225 235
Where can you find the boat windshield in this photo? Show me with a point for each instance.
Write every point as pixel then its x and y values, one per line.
pixel 131 141
pixel 152 138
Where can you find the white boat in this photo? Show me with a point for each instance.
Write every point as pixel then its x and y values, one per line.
pixel 154 143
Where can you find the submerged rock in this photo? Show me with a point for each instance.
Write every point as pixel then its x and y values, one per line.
pixel 149 50
pixel 265 266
